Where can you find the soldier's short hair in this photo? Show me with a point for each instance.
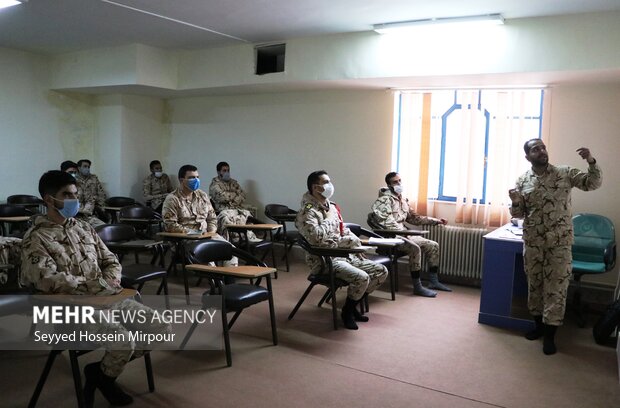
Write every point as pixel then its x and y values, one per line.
pixel 54 180
pixel 184 169
pixel 154 163
pixel 527 147
pixel 79 163
pixel 67 164
pixel 389 176
pixel 220 165
pixel 313 179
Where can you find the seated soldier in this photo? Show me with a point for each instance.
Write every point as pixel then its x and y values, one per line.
pixel 320 223
pixel 228 200
pixel 156 186
pixel 91 195
pixel 64 255
pixel 72 168
pixel 188 209
pixel 390 211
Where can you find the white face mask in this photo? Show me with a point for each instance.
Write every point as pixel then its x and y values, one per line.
pixel 158 174
pixel 328 191
pixel 398 189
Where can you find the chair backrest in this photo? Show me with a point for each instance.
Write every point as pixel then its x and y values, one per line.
pixel 594 236
pixel 24 199
pixel 277 209
pixel 116 232
pixel 211 250
pixel 10 210
pixel 138 211
pixel 119 201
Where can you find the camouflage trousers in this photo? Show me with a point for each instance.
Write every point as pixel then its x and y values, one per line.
pixel 414 246
pixel 118 354
pixel 548 271
pixel 236 217
pixel 363 275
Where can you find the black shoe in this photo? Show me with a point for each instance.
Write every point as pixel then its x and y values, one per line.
pixel 538 330
pixel 549 340
pixel 357 315
pixel 95 378
pixel 348 314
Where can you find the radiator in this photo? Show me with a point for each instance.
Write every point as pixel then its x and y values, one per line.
pixel 460 251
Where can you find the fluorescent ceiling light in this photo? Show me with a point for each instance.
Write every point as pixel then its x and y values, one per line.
pixel 9 3
pixel 486 19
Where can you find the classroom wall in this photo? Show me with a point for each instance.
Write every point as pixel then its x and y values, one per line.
pixel 587 115
pixel 273 141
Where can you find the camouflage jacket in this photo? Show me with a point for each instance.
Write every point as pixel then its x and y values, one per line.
pixel 391 212
pixel 545 202
pixel 68 258
pixel 226 194
pixel 90 194
pixel 322 226
pixel 182 214
pixel 155 189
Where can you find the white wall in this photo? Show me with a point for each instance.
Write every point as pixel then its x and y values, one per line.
pixel 589 116
pixel 273 141
pixel 29 124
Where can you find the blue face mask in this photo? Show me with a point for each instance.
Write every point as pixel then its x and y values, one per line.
pixel 226 176
pixel 193 184
pixel 70 207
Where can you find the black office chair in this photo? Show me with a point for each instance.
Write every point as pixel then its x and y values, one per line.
pixel 33 203
pixel 121 239
pixel 119 201
pixel 325 277
pixel 282 214
pixel 265 245
pixel 235 296
pixel 142 218
pixel 12 210
pixel 594 252
pixel 386 257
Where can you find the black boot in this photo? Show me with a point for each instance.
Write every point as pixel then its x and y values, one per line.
pixel 357 315
pixel 538 330
pixel 95 378
pixel 348 318
pixel 549 339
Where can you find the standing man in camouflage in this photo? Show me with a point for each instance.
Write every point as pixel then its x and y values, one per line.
pixel 189 209
pixel 91 195
pixel 542 196
pixel 390 211
pixel 228 199
pixel 156 186
pixel 320 223
pixel 64 255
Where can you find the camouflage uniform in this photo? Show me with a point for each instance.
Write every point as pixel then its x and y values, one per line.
pixel 391 212
pixel 155 189
pixel 228 199
pixel 92 198
pixel 194 213
pixel 10 254
pixel 72 259
pixel 548 234
pixel 323 227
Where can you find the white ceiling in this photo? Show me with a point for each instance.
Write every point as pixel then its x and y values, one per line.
pixel 57 26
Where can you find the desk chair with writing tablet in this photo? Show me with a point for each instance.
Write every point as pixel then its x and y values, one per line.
pixel 225 281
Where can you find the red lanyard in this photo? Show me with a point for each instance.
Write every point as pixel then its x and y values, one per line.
pixel 340 218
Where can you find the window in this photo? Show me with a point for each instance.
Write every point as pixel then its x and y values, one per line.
pixel 464 146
